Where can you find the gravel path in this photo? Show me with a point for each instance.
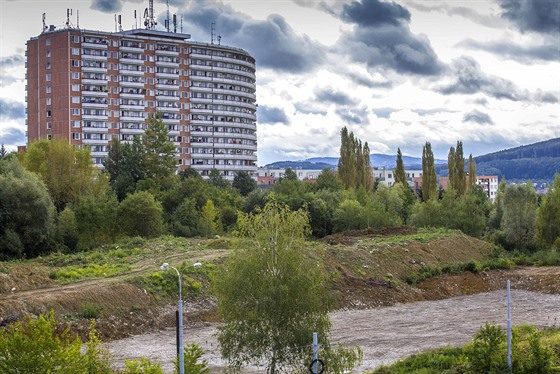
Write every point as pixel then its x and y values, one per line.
pixel 385 334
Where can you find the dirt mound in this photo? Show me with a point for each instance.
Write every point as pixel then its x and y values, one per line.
pixel 350 237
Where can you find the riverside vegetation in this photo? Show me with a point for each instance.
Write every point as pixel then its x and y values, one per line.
pixel 61 221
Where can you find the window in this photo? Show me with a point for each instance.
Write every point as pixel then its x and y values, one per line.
pixel 115 43
pixel 75 75
pixel 48 65
pixel 115 113
pixel 76 39
pixel 49 101
pixel 48 89
pixel 75 111
pixel 75 99
pixel 75 87
pixel 48 41
pixel 76 63
pixel 75 136
pixel 48 53
pixel 75 51
pixel 151 47
pixel 49 113
pixel 115 125
pixel 76 124
pixel 115 101
pixel 49 125
pixel 152 104
pixel 115 78
pixel 115 54
pixel 48 77
pixel 49 137
pixel 151 69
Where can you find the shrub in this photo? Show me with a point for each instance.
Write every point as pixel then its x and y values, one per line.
pixel 90 311
pixel 142 366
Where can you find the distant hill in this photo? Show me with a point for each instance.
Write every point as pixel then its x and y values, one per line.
pixel 537 162
pixel 377 160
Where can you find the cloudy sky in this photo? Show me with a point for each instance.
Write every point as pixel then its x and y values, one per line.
pixel 397 74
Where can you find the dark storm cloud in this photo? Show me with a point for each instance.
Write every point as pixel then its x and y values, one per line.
pixel 272 42
pixel 331 95
pixel 9 62
pixel 272 115
pixel 478 117
pixel 523 54
pixel 372 13
pixel 11 109
pixel 469 79
pixel 356 115
pixel 12 136
pixel 382 38
pixel 541 16
pixel 107 6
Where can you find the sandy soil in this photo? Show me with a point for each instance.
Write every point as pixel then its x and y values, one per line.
pixel 385 334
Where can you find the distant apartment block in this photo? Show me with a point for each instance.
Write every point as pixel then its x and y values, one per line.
pixel 387 176
pixel 92 87
pixel 267 177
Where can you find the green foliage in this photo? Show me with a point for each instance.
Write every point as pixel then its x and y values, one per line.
pixel 429 183
pixel 90 311
pixel 399 172
pixel 327 180
pixel 244 183
pixel 41 346
pixel 354 165
pixel 350 215
pixel 519 216
pixel 142 366
pixel 209 221
pixel 159 152
pixel 79 272
pixel 456 167
pixel 216 179
pixel 96 215
pixel 67 229
pixel 66 170
pixel 125 166
pixel 186 218
pixel 27 213
pixel 192 362
pixel 532 352
pixel 548 216
pixel 141 215
pixel 271 296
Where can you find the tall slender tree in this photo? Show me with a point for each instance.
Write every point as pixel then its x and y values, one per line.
pixel 159 157
pixel 429 182
pixel 399 172
pixel 368 173
pixel 456 167
pixel 472 172
pixel 360 168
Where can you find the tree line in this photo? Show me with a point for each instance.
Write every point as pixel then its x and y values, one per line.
pixel 52 198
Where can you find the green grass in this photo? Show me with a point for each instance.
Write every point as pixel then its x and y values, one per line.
pixel 90 311
pixel 533 352
pixel 79 272
pixel 424 235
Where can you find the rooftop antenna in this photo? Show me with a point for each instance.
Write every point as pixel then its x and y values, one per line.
pixel 181 23
pixel 45 28
pixel 135 20
pixel 212 31
pixel 68 14
pixel 167 20
pixel 120 23
pixel 115 22
pixel 219 39
pixel 175 23
pixel 149 21
pixel 78 18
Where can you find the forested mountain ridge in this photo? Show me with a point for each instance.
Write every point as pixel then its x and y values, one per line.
pixel 535 162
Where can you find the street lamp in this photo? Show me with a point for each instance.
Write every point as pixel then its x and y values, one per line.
pixel 181 349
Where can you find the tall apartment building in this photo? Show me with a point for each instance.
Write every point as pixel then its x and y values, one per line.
pixel 91 87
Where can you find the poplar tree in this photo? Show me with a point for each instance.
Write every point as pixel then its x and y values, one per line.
pixel 368 173
pixel 159 156
pixel 456 167
pixel 360 176
pixel 472 172
pixel 400 174
pixel 429 183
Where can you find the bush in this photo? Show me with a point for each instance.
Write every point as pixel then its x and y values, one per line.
pixel 142 366
pixel 141 215
pixel 90 311
pixel 42 346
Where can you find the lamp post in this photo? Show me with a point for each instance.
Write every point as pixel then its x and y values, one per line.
pixel 181 349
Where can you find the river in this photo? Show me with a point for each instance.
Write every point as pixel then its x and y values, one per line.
pixel 385 334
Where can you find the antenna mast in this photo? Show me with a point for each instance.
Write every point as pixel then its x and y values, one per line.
pixel 167 21
pixel 68 14
pixel 45 28
pixel 175 23
pixel 149 20
pixel 212 32
pixel 78 18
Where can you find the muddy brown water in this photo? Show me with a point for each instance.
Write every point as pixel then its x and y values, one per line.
pixel 385 334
